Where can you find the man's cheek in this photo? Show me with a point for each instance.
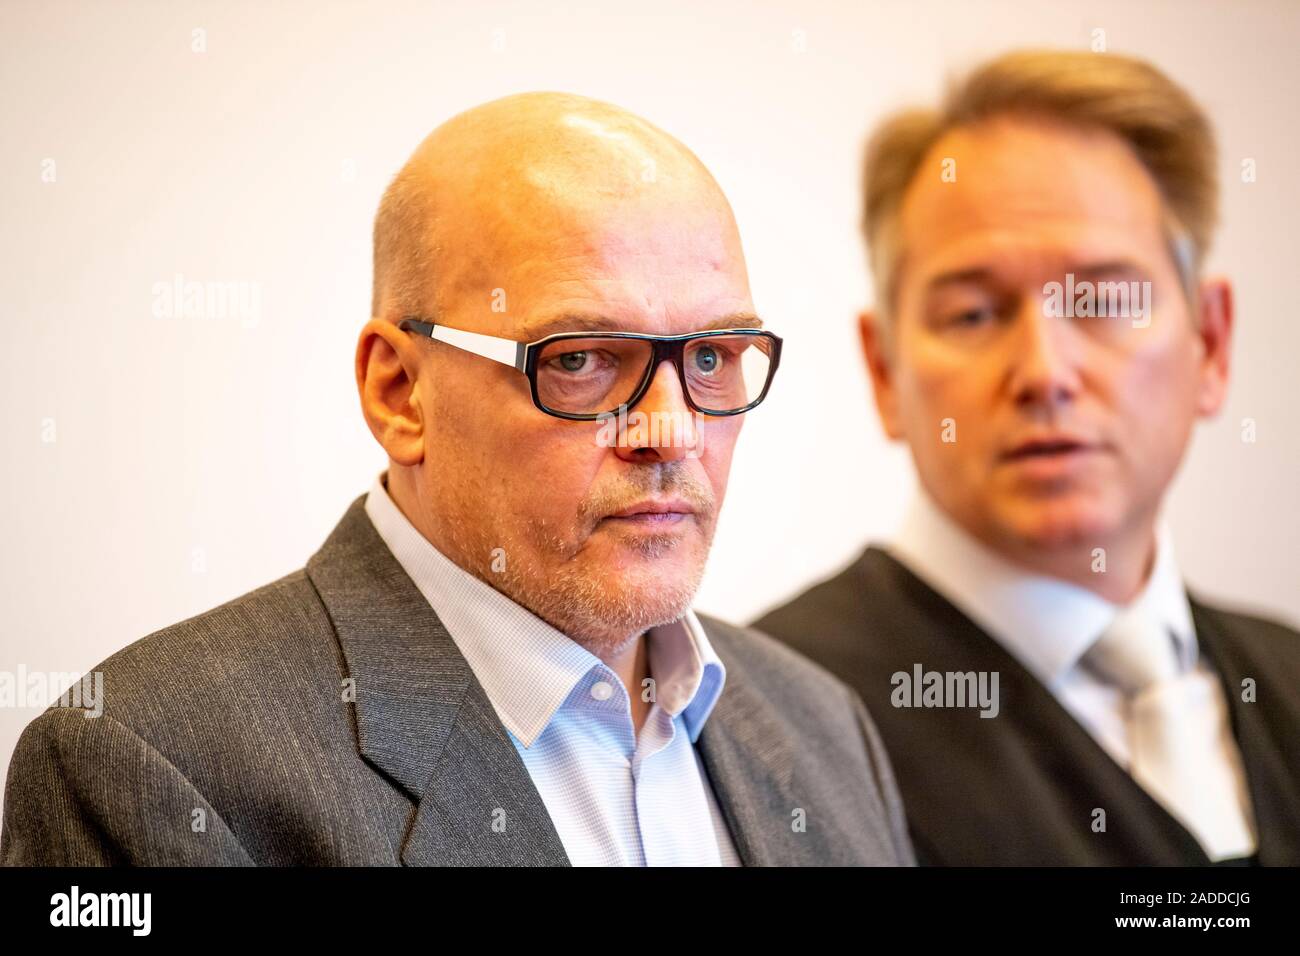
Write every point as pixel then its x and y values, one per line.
pixel 716 465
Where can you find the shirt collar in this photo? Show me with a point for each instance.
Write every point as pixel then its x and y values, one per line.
pixel 1045 622
pixel 689 675
pixel 526 667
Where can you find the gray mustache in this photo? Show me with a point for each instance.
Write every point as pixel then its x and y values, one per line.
pixel 660 479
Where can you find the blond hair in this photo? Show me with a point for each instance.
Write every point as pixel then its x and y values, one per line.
pixel 1168 132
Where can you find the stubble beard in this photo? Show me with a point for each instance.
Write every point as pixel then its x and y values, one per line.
pixel 548 573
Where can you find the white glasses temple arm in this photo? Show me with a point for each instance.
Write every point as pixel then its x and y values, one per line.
pixel 506 351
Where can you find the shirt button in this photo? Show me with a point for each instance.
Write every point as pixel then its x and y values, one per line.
pixel 601 690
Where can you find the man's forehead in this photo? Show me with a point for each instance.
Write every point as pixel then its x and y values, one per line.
pixel 543 325
pixel 659 270
pixel 1050 194
pixel 1009 167
pixel 1029 254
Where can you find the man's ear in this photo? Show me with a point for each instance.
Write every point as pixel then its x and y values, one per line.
pixel 876 353
pixel 1215 308
pixel 387 366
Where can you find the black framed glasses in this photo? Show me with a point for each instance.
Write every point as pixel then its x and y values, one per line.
pixel 584 376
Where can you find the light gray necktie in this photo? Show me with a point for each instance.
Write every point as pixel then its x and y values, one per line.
pixel 1177 726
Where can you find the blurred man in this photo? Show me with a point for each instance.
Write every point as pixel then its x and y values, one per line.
pixel 493 660
pixel 1044 341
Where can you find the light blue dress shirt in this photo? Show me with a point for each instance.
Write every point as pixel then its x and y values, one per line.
pixel 616 798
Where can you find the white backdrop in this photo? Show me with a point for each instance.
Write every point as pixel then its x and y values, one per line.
pixel 157 464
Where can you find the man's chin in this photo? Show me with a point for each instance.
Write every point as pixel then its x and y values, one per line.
pixel 613 589
pixel 636 576
pixel 634 546
pixel 606 613
pixel 1060 523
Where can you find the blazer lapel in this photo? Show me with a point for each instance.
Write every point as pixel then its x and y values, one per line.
pixel 480 807
pixel 423 720
pixel 751 767
pixel 1270 776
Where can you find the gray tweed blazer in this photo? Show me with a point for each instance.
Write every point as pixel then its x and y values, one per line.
pixel 328 719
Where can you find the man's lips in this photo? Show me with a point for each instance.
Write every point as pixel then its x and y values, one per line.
pixel 653 512
pixel 1048 447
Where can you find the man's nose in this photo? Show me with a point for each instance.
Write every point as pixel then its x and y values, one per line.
pixel 668 430
pixel 1044 364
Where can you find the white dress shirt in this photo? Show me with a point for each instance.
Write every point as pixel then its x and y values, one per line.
pixel 615 797
pixel 1048 625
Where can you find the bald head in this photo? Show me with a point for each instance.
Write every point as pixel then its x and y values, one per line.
pixel 493 186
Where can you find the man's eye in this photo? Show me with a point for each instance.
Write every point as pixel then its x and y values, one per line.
pixel 707 359
pixel 572 361
pixel 971 318
pixel 582 363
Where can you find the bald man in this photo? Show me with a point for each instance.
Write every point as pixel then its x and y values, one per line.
pixel 492 659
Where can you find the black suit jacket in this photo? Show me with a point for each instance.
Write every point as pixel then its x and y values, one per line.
pixel 1022 788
